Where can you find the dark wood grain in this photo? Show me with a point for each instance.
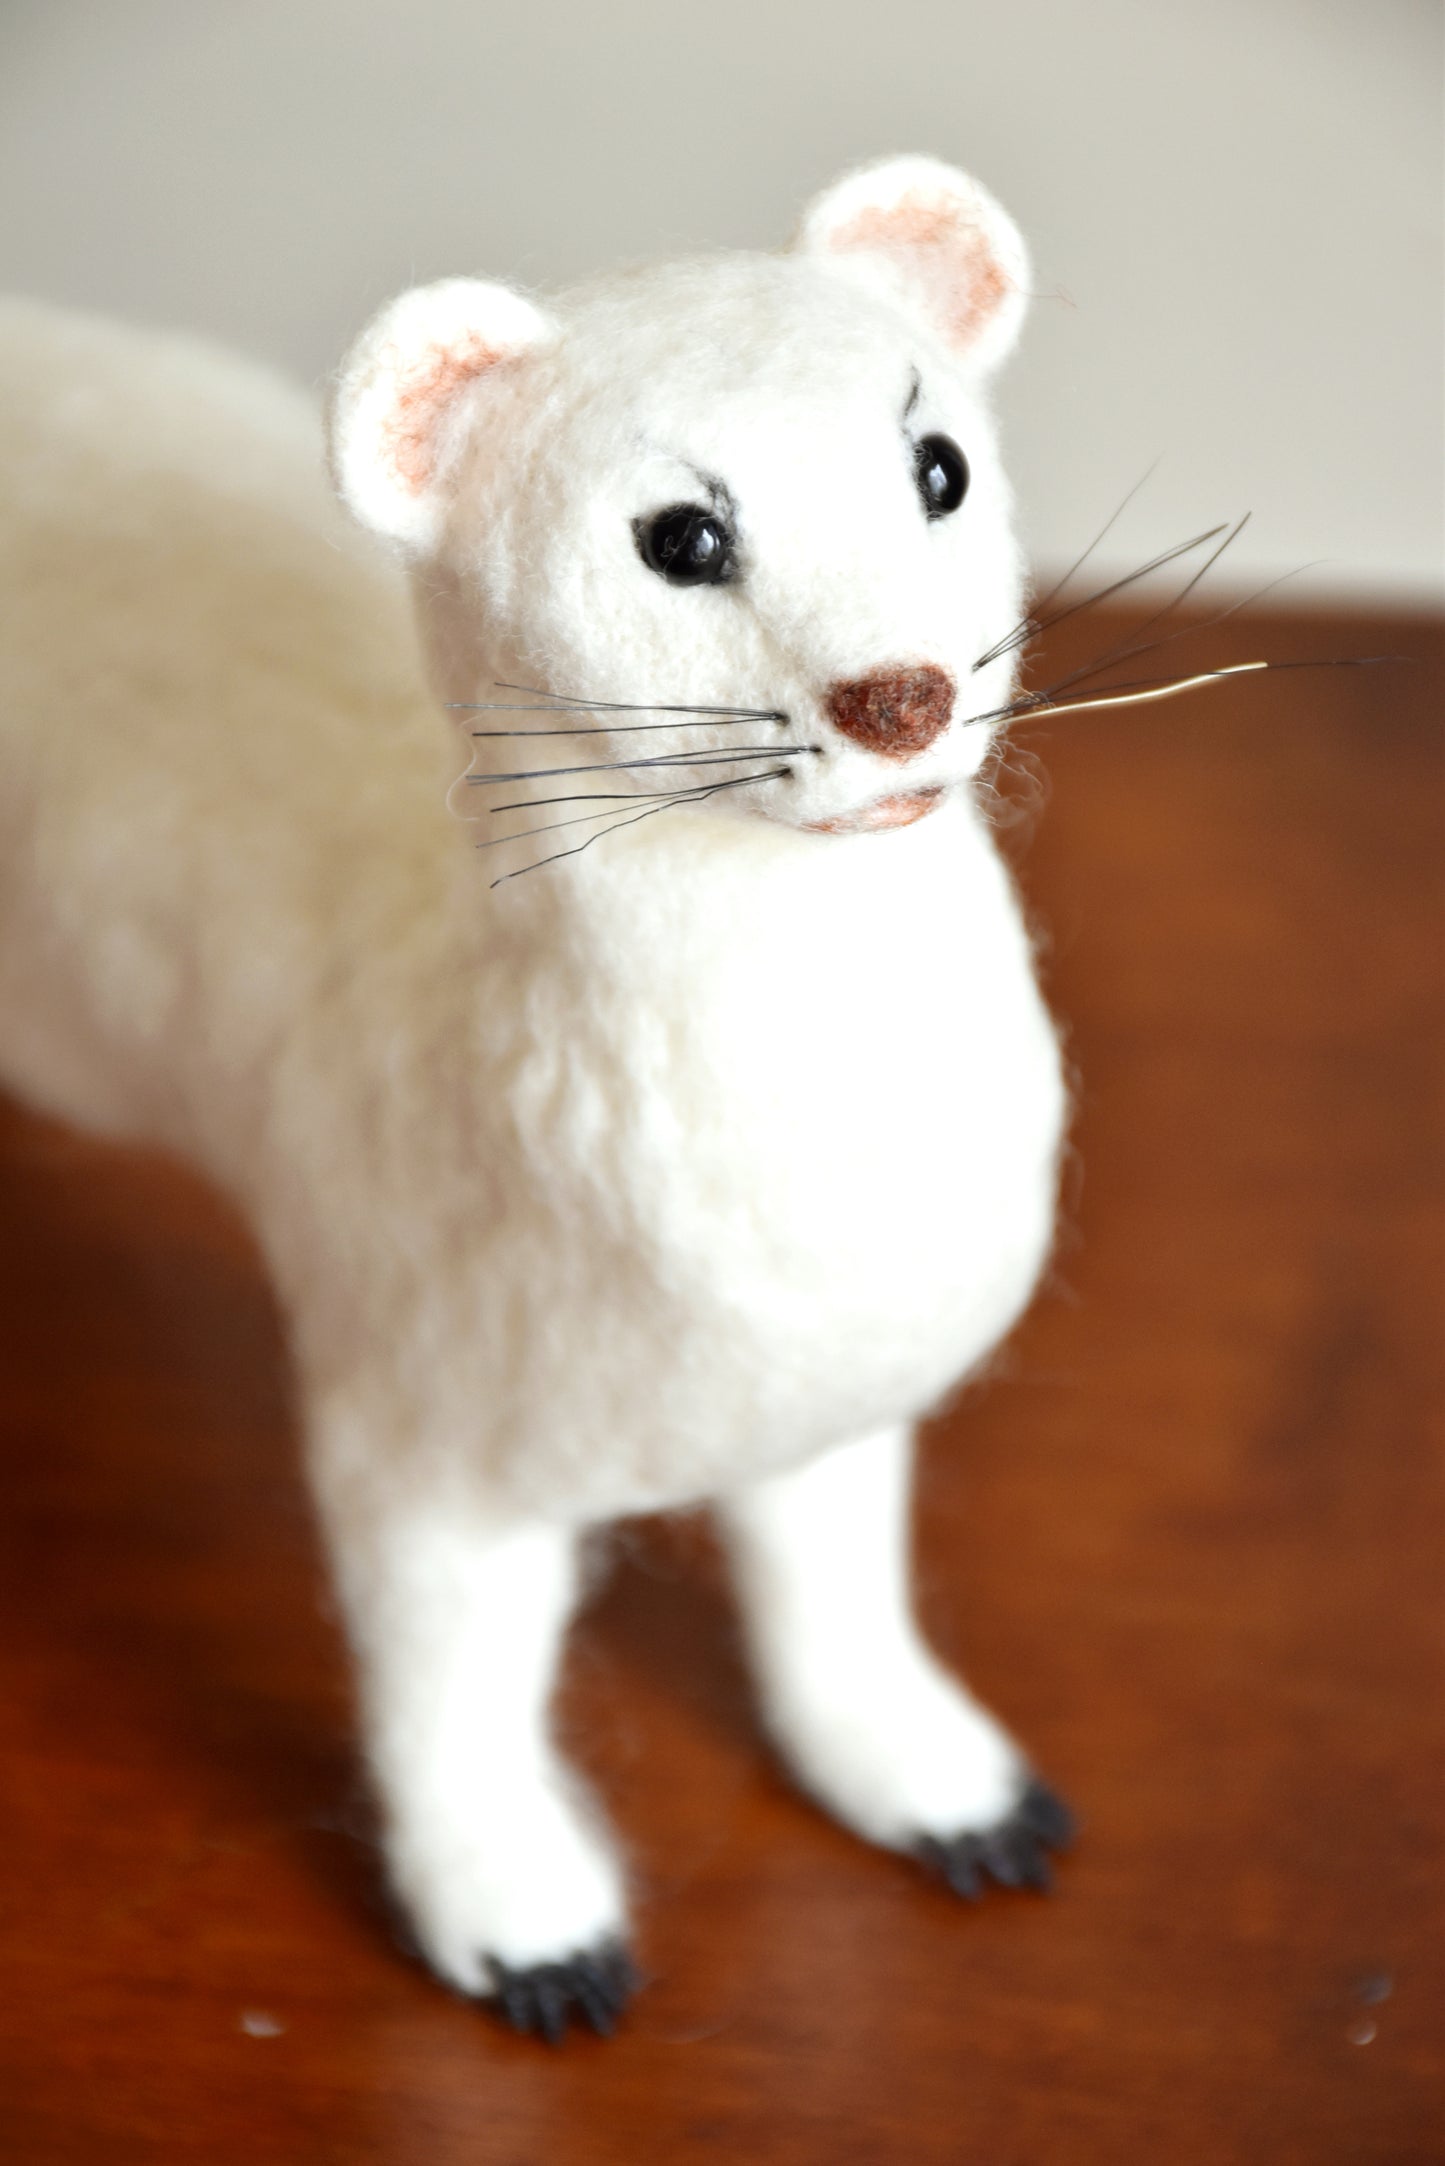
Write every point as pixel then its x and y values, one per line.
pixel 1188 1540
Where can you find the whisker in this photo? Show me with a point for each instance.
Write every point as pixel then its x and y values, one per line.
pixel 1145 689
pixel 632 819
pixel 1141 693
pixel 1183 594
pixel 1203 572
pixel 546 702
pixel 1039 703
pixel 599 728
pixel 582 797
pixel 625 706
pixel 604 729
pixel 1130 579
pixel 1207 625
pixel 576 851
pixel 1027 622
pixel 546 827
pixel 1163 688
pixel 1185 631
pixel 1101 594
pixel 1024 704
pixel 661 759
pixel 1122 652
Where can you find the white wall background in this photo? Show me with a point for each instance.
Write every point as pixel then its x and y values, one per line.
pixel 1235 206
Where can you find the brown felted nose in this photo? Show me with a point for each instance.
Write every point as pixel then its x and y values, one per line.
pixel 896 712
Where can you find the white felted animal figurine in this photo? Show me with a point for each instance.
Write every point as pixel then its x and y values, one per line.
pixel 687 1148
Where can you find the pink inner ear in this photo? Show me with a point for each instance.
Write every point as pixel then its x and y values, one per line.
pixel 426 383
pixel 942 253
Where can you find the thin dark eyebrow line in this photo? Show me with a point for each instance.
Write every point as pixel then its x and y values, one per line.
pixel 914 394
pixel 718 493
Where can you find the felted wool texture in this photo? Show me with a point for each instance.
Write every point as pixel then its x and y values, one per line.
pixel 781 381
pixel 646 1177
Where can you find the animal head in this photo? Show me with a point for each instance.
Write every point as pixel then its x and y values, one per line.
pixel 766 487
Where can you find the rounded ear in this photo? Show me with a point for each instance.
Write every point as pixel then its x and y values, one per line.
pixel 935 241
pixel 399 407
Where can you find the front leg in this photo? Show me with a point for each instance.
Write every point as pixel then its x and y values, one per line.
pixel 495 1852
pixel 870 1721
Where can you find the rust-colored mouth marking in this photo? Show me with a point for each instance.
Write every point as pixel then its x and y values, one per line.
pixel 900 810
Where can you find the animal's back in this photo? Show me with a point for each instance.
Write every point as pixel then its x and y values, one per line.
pixel 210 702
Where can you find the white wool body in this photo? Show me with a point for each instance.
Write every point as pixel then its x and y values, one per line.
pixel 695 1166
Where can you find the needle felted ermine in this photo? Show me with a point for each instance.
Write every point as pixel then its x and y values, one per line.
pixel 689 1146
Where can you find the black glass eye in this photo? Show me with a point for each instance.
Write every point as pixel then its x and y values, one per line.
pixel 942 472
pixel 687 546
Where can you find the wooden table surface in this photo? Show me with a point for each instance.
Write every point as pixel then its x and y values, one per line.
pixel 1189 1541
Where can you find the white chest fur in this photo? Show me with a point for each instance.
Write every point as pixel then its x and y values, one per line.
pixel 808 1124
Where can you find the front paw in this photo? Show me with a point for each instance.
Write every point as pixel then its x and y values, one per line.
pixel 593 1987
pixel 1013 1851
pixel 523 1899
